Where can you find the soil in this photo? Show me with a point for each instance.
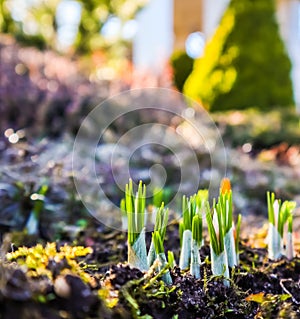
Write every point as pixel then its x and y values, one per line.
pixel 259 288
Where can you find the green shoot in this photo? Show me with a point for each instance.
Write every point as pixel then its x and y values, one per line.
pixel 159 249
pixel 171 259
pixel 224 208
pixel 157 197
pixel 135 208
pixel 237 232
pixel 158 243
pixel 160 227
pixel 181 230
pixel 289 239
pixel 123 207
pixel 271 213
pixel 219 260
pixel 161 221
pixel 280 214
pixel 286 215
pixel 197 229
pixel 215 231
pixel 189 210
pixel 224 211
pixel 290 224
pixel 201 198
pixel 189 207
pixel 195 245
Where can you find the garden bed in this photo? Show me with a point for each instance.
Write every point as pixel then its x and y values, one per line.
pixel 106 288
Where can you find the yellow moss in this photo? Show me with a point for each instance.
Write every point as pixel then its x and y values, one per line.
pixel 36 259
pixel 110 297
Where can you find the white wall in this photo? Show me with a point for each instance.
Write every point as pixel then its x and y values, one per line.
pixel 289 20
pixel 153 42
pixel 213 13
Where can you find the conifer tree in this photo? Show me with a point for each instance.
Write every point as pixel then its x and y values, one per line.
pixel 245 63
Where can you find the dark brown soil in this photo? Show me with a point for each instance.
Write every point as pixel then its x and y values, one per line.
pixel 258 289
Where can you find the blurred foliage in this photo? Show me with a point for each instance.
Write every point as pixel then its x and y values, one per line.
pixel 37 25
pixel 245 64
pixel 251 126
pixel 182 66
pixel 40 90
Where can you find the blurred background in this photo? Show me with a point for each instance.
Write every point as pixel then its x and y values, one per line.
pixel 239 59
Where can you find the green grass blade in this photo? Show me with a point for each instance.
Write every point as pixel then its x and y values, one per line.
pixel 237 232
pixel 270 201
pixel 158 243
pixel 197 229
pixel 212 233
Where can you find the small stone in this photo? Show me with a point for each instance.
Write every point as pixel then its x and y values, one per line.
pixel 61 287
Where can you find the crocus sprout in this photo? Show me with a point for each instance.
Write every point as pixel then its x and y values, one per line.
pixel 225 186
pixel 188 211
pixel 159 249
pixel 289 239
pixel 171 259
pixel 160 226
pixel 191 207
pixel 237 237
pixel 195 246
pixel 219 262
pixel 224 209
pixel 280 215
pixel 135 208
pixel 157 199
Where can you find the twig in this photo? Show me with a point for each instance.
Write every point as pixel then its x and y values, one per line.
pixel 287 291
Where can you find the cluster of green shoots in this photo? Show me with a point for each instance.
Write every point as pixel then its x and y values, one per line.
pixel 191 231
pixel 280 235
pixel 223 231
pixel 134 204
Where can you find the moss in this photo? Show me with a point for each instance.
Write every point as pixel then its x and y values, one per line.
pixel 245 63
pixel 38 259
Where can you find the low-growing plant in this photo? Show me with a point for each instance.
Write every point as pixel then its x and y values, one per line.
pixel 224 207
pixel 280 225
pixel 135 208
pixel 196 245
pixel 190 230
pixel 171 259
pixel 219 262
pixel 160 253
pixel 223 232
pixel 160 227
pixel 189 210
